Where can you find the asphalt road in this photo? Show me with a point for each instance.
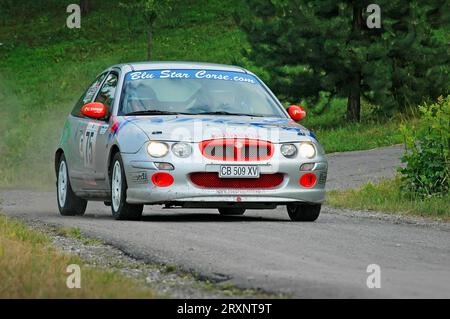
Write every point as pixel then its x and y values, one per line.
pixel 262 249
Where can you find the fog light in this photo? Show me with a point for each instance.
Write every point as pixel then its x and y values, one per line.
pixel 308 180
pixel 307 167
pixel 164 166
pixel 162 179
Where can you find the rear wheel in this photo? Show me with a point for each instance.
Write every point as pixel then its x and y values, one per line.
pixel 69 204
pixel 120 209
pixel 231 211
pixel 303 212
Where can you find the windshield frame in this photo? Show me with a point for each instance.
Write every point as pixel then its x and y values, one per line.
pixel 273 98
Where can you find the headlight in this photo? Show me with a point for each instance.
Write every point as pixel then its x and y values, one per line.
pixel 288 150
pixel 307 150
pixel 181 149
pixel 157 149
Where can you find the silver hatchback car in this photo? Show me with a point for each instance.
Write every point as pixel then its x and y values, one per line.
pixel 187 134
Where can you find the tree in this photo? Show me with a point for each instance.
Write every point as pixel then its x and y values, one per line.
pixel 85 7
pixel 313 46
pixel 149 11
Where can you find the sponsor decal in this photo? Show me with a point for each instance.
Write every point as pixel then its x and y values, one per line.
pixel 231 191
pixel 235 135
pixel 116 126
pixel 103 129
pixel 192 74
pixel 323 178
pixel 139 177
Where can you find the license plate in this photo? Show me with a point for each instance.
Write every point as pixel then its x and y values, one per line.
pixel 242 171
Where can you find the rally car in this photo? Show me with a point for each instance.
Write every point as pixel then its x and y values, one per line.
pixel 186 134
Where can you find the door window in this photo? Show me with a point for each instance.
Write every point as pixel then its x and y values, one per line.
pixel 88 95
pixel 108 90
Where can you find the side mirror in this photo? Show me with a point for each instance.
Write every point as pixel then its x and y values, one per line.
pixel 94 110
pixel 296 112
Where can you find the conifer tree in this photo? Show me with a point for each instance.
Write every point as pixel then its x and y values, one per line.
pixel 313 46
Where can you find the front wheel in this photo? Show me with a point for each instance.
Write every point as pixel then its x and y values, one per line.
pixel 120 209
pixel 69 204
pixel 304 212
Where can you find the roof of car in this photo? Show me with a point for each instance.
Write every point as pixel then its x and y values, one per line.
pixel 156 65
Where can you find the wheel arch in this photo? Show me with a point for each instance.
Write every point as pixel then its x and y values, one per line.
pixel 114 150
pixel 59 152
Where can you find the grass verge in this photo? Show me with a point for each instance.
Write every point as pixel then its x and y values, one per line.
pixel 31 268
pixel 359 136
pixel 336 134
pixel 386 196
pixel 75 233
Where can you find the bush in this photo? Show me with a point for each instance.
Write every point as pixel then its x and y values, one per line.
pixel 427 145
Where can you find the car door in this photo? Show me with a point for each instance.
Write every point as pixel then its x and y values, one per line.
pixel 84 133
pixel 99 142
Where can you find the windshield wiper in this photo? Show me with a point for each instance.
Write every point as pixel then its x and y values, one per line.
pixel 229 113
pixel 153 112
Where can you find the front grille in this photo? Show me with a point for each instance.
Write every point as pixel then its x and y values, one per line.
pixel 212 180
pixel 237 149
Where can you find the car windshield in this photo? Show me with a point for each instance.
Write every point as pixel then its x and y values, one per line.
pixel 196 92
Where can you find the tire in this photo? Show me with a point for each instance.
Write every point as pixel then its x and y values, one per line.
pixel 304 212
pixel 120 209
pixel 231 211
pixel 69 204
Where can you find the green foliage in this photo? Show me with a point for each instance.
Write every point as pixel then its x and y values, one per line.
pixel 149 10
pixel 359 136
pixel 327 120
pixel 427 171
pixel 24 10
pixel 313 46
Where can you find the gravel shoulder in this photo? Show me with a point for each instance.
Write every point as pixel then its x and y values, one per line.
pixel 168 280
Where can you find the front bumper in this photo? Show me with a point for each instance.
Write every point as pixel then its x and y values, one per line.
pixel 139 168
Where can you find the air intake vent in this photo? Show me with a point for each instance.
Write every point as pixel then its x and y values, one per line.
pixel 212 180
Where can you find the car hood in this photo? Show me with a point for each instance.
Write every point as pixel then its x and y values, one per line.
pixel 199 128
